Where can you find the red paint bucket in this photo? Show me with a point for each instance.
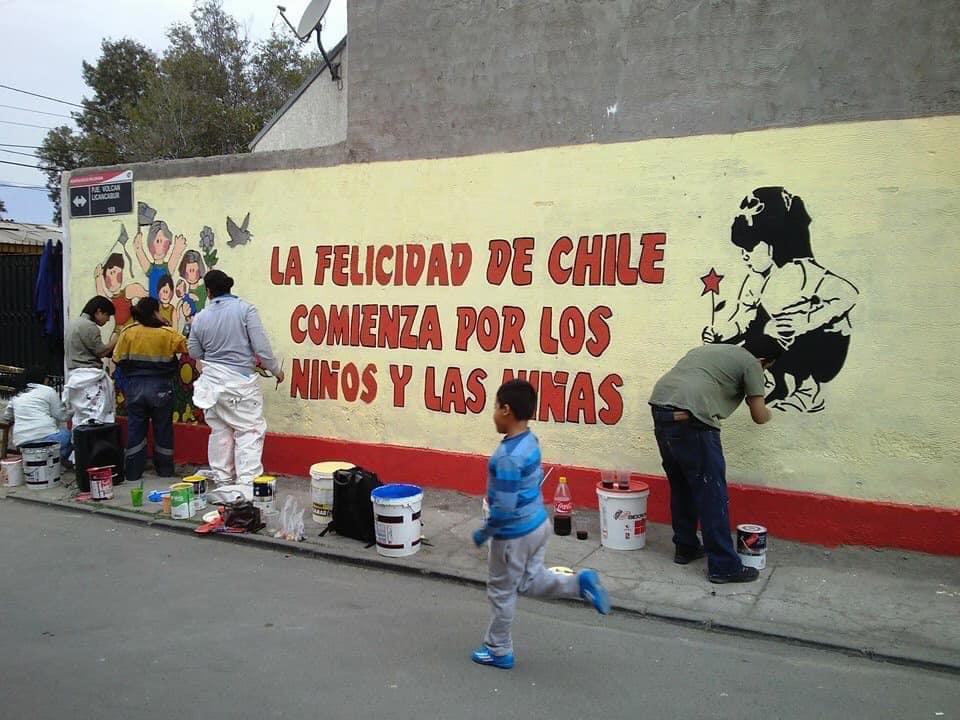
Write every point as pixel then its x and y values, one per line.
pixel 101 482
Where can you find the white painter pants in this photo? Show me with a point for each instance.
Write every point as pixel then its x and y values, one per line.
pixel 233 408
pixel 89 396
pixel 516 566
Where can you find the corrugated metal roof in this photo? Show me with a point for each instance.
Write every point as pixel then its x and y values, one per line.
pixel 27 233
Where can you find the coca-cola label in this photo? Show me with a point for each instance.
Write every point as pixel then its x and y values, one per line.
pixel 563 507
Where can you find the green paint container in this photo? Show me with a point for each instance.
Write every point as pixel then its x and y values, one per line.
pixel 181 501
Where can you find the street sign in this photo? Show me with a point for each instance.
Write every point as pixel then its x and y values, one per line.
pixel 109 193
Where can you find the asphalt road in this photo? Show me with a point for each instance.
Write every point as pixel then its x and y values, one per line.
pixel 103 619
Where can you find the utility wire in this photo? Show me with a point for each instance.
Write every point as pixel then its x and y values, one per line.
pixel 41 127
pixel 45 97
pixel 34 167
pixel 33 147
pixel 16 152
pixel 23 187
pixel 39 112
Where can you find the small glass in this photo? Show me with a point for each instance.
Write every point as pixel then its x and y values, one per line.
pixel 623 479
pixel 136 496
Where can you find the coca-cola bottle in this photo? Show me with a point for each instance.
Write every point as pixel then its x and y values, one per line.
pixel 562 508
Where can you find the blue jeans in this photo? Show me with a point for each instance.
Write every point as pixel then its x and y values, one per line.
pixel 693 460
pixel 66 442
pixel 149 400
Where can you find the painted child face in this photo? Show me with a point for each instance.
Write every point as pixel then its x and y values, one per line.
pixel 113 277
pixel 160 246
pixel 760 259
pixel 166 294
pixel 193 273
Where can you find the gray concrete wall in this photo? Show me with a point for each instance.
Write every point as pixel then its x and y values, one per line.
pixel 317 118
pixel 436 78
pixel 457 77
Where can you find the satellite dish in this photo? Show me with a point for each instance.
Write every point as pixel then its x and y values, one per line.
pixel 312 17
pixel 310 21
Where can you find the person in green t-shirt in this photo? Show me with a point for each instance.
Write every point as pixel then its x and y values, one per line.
pixel 688 403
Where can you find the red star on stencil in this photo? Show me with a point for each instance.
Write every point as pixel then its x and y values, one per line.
pixel 711 282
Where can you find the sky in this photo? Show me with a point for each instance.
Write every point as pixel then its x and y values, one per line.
pixel 45 42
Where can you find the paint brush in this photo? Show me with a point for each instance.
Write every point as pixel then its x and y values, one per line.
pixel 278 379
pixel 546 475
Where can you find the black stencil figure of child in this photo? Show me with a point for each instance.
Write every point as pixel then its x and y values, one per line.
pixel 788 295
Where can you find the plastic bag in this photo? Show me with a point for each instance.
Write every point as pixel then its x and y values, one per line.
pixel 291 521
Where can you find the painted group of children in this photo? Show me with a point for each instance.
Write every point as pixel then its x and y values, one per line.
pixel 164 257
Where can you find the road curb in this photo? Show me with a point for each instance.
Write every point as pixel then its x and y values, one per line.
pixel 940 662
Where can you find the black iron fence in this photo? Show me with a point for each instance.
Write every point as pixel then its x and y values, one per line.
pixel 21 342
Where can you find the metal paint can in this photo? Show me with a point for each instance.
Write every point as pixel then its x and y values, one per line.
pixel 181 501
pixel 101 482
pixel 752 545
pixel 199 485
pixel 321 488
pixel 264 492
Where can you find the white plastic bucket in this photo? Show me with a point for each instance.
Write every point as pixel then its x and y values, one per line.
pixel 396 514
pixel 321 488
pixel 41 464
pixel 623 516
pixel 752 545
pixel 11 471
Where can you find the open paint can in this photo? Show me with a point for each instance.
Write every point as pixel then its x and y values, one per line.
pixel 752 545
pixel 264 493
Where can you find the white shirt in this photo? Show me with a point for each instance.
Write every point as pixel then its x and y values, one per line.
pixel 35 413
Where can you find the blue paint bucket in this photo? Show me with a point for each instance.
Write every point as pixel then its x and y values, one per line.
pixel 396 515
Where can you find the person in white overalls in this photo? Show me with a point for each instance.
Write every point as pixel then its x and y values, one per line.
pixel 228 336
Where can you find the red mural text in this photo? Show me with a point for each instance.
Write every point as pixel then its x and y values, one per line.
pixel 563 399
pixel 393 264
pixel 606 260
pixel 332 380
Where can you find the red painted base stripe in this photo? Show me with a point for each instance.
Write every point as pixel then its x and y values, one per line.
pixel 802 516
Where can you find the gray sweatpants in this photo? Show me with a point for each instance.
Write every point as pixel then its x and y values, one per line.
pixel 517 566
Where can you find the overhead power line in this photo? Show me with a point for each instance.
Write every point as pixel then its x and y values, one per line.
pixel 45 97
pixel 41 127
pixel 22 187
pixel 17 152
pixel 33 147
pixel 39 112
pixel 34 167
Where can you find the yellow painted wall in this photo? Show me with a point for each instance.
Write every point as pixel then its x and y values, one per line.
pixel 885 202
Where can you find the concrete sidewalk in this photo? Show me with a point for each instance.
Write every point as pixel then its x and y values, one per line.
pixel 889 604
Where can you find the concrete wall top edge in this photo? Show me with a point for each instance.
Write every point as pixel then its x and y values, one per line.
pixel 344 153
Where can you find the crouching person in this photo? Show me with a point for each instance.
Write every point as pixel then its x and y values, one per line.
pixel 37 414
pixel 146 353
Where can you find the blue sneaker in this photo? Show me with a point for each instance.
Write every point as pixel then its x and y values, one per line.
pixel 593 590
pixel 483 656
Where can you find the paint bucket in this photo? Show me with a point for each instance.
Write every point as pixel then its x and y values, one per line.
pixel 181 501
pixel 101 482
pixel 321 488
pixel 623 515
pixel 264 493
pixel 396 514
pixel 11 471
pixel 752 545
pixel 41 464
pixel 199 485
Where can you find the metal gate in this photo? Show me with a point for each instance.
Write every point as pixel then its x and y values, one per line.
pixel 21 342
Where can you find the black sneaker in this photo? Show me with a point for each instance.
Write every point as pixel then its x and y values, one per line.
pixel 746 574
pixel 681 557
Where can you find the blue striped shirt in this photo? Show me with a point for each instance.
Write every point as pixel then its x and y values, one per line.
pixel 514 475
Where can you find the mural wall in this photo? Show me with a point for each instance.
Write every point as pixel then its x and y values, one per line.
pixel 401 294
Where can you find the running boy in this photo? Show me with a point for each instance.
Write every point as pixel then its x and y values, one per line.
pixel 519 528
